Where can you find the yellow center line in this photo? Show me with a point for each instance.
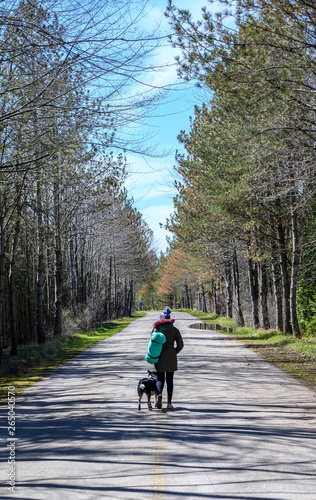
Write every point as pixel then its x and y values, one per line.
pixel 158 478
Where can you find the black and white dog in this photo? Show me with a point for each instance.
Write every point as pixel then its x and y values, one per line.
pixel 147 386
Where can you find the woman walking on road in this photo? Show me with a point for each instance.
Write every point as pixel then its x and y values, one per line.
pixel 167 363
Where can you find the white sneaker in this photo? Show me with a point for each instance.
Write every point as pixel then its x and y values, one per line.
pixel 170 406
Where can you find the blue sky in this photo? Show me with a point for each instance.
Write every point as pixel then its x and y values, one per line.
pixel 150 181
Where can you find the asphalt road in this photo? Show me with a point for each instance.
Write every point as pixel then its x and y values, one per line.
pixel 241 429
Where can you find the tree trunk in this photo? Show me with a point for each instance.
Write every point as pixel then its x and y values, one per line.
pixel 76 256
pixel 190 298
pixel 204 308
pixel 2 257
pixel 32 334
pixel 40 264
pixel 295 266
pixel 187 299
pixel 116 306
pixel 174 301
pixel 253 285
pixel 110 290
pixel 72 278
pixel 239 314
pixel 58 263
pixel 229 287
pixel 125 298
pixel 12 294
pixel 216 297
pixel 131 297
pixel 49 277
pixel 285 280
pixel 182 301
pixel 198 298
pixel 83 292
pixel 277 290
pixel 264 295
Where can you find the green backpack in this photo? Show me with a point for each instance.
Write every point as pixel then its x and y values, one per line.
pixel 155 347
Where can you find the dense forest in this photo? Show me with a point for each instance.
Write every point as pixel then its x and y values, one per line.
pixel 245 218
pixel 73 249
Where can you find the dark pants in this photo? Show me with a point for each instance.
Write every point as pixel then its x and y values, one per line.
pixel 161 377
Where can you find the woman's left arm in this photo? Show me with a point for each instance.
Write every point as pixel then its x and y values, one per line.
pixel 179 341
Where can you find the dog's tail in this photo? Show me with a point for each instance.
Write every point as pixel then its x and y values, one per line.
pixel 142 387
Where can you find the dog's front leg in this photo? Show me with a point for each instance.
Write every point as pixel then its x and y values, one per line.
pixel 149 402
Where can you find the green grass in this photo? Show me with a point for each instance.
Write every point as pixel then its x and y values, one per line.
pixel 36 361
pixel 296 356
pixel 211 318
